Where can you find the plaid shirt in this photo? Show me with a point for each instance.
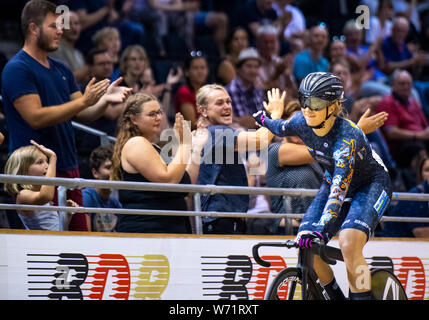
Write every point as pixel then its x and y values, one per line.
pixel 244 101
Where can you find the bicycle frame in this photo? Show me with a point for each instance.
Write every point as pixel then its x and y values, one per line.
pixel 305 264
pixel 310 281
pixel 308 274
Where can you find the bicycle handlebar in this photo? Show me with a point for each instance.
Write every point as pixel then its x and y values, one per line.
pixel 258 259
pixel 328 254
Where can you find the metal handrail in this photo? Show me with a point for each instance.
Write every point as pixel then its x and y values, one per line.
pixel 78 183
pixel 105 139
pixel 25 207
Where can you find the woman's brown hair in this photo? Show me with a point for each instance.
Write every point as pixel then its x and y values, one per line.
pixel 127 129
pixel 420 164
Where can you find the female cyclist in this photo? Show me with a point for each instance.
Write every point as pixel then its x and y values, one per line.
pixel 352 170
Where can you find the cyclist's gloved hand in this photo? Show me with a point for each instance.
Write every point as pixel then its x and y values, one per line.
pixel 260 117
pixel 305 240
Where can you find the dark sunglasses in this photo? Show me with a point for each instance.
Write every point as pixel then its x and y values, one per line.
pixel 313 103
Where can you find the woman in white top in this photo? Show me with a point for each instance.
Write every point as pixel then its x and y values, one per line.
pixel 380 24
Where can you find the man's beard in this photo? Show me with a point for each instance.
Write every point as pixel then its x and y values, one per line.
pixel 43 42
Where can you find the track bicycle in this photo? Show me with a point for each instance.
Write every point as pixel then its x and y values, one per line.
pixel 301 282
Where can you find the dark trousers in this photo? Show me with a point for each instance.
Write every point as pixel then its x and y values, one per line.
pixel 225 226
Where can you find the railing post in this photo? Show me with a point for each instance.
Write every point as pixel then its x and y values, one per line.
pixel 62 201
pixel 197 208
pixel 104 140
pixel 288 221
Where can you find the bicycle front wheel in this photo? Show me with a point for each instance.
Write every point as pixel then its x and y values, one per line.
pixel 287 286
pixel 386 286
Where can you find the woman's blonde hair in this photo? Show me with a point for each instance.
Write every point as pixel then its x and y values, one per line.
pixel 202 97
pixel 18 163
pixel 339 111
pixel 103 34
pixel 204 92
pixel 126 54
pixel 127 129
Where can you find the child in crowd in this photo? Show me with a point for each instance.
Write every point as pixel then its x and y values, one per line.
pixel 100 165
pixel 35 160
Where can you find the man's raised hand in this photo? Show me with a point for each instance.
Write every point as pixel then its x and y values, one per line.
pixel 116 93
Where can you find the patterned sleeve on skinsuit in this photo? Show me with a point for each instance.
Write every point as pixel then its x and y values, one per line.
pixel 344 157
pixel 283 128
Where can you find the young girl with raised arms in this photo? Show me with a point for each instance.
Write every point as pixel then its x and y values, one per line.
pixel 35 160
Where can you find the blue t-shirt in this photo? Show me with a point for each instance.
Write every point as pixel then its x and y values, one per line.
pixel 24 75
pixel 392 52
pixel 103 222
pixel 372 63
pixel 304 65
pixel 222 166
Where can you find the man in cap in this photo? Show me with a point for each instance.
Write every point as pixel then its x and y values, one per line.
pixel 246 97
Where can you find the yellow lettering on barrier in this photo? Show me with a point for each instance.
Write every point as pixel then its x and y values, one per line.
pixel 152 274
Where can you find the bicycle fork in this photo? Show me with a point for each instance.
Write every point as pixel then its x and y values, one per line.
pixel 309 276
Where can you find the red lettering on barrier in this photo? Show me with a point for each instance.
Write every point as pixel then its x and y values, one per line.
pixel 260 279
pixel 410 271
pixel 111 277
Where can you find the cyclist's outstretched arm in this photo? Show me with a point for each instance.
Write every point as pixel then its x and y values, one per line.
pixel 275 107
pixel 261 138
pixel 279 127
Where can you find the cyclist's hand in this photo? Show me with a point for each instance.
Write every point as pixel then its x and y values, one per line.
pixel 260 117
pixel 305 239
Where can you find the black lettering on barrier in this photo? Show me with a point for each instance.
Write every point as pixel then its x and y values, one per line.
pixel 226 277
pixel 64 273
pixel 380 263
pixel 74 267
